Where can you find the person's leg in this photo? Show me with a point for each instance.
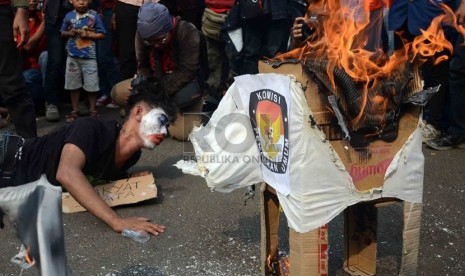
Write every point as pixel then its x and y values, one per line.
pixel 374 31
pixel 43 59
pixel 126 26
pixel 457 90
pixel 218 73
pixel 13 90
pixel 455 135
pixel 54 72
pixel 74 96
pixel 34 84
pixel 107 69
pixel 253 32
pixel 215 63
pixel 92 96
pixel 73 83
pixel 433 75
pixel 91 82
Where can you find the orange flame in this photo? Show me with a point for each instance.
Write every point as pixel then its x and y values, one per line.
pixel 341 39
pixel 28 257
pixel 268 263
pixel 342 33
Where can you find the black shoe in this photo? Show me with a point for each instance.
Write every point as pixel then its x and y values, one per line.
pixel 447 142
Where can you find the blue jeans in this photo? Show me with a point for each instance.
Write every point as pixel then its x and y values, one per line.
pixel 43 59
pixel 34 84
pixel 107 67
pixel 35 78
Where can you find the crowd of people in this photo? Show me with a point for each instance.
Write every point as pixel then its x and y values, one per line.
pixel 95 49
pixel 87 48
pixel 443 125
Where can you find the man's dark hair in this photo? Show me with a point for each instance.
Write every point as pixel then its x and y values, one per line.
pixel 151 92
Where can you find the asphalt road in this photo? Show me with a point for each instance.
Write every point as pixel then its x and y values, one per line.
pixel 215 234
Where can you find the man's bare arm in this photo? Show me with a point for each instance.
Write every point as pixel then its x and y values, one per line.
pixel 71 177
pixel 21 26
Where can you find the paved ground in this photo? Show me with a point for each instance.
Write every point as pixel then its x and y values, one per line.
pixel 215 234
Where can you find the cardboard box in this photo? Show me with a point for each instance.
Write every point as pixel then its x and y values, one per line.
pixel 309 260
pixel 367 174
pixel 120 192
pixel 269 227
pixel 308 251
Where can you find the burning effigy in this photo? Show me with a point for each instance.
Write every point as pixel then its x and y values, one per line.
pixel 327 126
pixel 368 90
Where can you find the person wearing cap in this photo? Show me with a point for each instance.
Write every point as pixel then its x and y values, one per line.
pixel 175 46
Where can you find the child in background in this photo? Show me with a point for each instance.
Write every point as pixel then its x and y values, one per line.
pixel 82 26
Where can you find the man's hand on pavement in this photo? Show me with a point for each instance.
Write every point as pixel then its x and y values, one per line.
pixel 136 223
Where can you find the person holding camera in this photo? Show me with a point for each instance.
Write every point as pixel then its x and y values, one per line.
pixel 168 49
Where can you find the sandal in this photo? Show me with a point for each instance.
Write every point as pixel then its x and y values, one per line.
pixel 73 115
pixel 94 114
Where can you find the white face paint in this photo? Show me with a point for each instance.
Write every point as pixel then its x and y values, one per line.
pixel 153 127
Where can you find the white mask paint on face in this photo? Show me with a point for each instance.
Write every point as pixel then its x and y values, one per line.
pixel 153 127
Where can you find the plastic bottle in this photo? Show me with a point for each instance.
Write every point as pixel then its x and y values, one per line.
pixel 138 236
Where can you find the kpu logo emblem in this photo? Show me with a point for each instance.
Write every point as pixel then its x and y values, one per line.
pixel 270 123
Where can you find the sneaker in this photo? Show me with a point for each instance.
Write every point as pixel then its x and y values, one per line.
pixel 103 101
pixel 51 113
pixel 428 131
pixel 112 105
pixel 447 142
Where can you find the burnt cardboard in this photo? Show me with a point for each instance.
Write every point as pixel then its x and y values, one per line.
pixel 411 238
pixel 120 192
pixel 309 252
pixel 360 223
pixel 367 174
pixel 269 214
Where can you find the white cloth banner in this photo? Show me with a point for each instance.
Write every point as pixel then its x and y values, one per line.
pixel 267 102
pixel 320 186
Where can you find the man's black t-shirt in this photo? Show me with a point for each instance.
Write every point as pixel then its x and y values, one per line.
pixel 95 137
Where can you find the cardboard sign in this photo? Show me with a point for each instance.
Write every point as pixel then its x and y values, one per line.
pixel 120 192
